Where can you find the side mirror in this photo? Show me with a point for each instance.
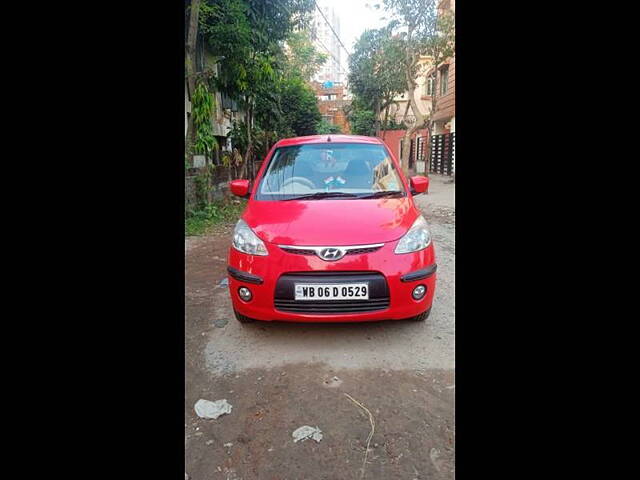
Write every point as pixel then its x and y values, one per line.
pixel 240 188
pixel 419 185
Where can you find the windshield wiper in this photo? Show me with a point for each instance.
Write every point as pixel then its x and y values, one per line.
pixel 313 196
pixel 385 193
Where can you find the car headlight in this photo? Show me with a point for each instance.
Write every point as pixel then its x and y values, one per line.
pixel 246 241
pixel 417 238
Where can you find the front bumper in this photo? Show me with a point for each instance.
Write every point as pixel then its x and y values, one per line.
pixel 402 274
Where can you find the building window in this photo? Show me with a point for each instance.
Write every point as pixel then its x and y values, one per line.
pixel 428 86
pixel 444 80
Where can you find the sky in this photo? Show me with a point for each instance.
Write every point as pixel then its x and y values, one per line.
pixel 355 18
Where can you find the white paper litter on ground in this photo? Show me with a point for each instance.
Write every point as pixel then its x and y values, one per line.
pixel 305 432
pixel 208 409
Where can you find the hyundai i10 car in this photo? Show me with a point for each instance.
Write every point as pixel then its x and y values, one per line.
pixel 331 233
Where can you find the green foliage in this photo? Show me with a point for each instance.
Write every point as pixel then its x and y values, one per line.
pixel 247 34
pixel 226 159
pixel 416 15
pixel 325 127
pixel 203 107
pixel 286 105
pixel 202 182
pixel 274 20
pixel 199 221
pixel 303 57
pixel 300 106
pixel 289 109
pixel 262 139
pixel 362 121
pixel 446 35
pixel 248 37
pixel 422 31
pixel 374 75
pixel 238 135
pixel 270 122
pixel 393 125
pixel 227 32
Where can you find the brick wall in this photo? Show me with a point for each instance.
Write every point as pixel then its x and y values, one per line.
pixel 335 109
pixel 337 90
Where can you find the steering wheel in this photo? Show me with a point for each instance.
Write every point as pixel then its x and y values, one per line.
pixel 302 180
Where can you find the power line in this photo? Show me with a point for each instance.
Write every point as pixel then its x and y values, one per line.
pixel 336 61
pixel 334 32
pixel 331 54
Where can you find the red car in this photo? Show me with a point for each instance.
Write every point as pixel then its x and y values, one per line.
pixel 331 234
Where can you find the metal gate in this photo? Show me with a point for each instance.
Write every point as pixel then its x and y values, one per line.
pixel 417 152
pixel 422 143
pixel 412 152
pixel 443 148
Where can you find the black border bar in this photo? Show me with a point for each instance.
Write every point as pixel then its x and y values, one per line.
pixel 244 276
pixel 419 274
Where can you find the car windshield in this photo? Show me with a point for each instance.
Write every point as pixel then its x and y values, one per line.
pixel 336 171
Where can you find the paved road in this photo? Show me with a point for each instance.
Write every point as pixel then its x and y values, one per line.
pixel 281 376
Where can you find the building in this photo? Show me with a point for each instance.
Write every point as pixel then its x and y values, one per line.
pixel 421 95
pixel 443 144
pixel 326 42
pixel 332 101
pixel 226 110
pixel 438 80
pixel 445 114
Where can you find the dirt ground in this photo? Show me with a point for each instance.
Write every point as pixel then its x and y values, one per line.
pixel 280 376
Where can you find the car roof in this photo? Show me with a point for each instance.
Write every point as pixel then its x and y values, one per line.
pixel 332 138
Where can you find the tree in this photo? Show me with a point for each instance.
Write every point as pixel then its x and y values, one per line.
pixel 284 108
pixel 300 106
pixel 269 116
pixel 361 119
pixel 289 108
pixel 192 13
pixel 302 55
pixel 325 128
pixel 374 76
pixel 424 33
pixel 203 107
pixel 247 36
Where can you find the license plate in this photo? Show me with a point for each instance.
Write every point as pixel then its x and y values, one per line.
pixel 331 291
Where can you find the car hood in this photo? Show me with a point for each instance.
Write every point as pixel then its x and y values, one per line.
pixel 331 222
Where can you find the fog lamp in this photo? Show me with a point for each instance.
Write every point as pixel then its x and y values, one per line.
pixel 245 293
pixel 419 292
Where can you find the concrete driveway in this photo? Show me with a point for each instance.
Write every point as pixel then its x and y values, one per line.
pixel 281 376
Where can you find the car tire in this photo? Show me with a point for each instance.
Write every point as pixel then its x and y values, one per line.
pixel 422 317
pixel 241 318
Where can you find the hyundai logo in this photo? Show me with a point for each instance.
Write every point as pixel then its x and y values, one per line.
pixel 332 253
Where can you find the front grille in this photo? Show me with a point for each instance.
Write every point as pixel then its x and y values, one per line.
pixel 359 251
pixel 335 306
pixel 284 298
pixel 349 250
pixel 298 252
